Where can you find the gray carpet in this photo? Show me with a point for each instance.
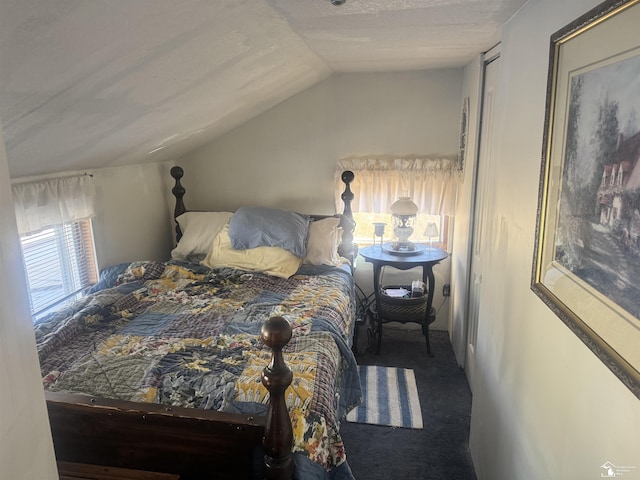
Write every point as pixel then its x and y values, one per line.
pixel 441 449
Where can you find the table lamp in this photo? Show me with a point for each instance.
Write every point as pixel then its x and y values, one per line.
pixel 403 213
pixel 378 231
pixel 430 232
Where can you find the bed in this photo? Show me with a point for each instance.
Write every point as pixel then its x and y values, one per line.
pixel 211 365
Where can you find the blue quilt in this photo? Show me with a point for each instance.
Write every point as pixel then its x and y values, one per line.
pixel 185 335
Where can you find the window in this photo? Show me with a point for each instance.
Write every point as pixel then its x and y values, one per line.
pixel 363 234
pixel 54 222
pixel 59 264
pixel 380 181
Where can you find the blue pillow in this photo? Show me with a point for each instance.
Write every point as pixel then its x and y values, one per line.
pixel 252 227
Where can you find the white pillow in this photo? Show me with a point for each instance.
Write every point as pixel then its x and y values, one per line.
pixel 322 242
pixel 198 231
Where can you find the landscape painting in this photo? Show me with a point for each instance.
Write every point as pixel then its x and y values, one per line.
pixel 586 264
pixel 598 232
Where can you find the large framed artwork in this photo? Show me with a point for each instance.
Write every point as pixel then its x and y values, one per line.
pixel 587 259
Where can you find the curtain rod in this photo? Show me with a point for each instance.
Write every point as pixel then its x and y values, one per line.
pixel 41 178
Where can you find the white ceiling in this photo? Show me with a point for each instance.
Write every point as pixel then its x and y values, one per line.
pixel 94 83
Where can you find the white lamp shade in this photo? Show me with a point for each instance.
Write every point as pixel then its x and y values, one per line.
pixel 404 206
pixel 431 230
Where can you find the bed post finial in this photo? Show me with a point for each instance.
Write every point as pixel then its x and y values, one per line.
pixel 178 192
pixel 276 377
pixel 347 196
pixel 347 248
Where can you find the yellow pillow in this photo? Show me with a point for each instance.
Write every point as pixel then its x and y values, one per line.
pixel 275 261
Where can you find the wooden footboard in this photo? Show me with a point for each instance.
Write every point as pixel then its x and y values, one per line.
pixel 196 444
pixel 152 437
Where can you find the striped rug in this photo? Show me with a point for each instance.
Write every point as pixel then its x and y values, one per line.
pixel 390 397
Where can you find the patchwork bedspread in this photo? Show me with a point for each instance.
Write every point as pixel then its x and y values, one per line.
pixel 185 335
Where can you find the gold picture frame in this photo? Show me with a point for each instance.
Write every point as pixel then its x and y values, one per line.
pixel 587 249
pixel 464 127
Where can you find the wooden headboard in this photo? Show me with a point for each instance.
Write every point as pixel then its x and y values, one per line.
pixel 346 248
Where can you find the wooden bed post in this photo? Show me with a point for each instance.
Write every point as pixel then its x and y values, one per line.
pixel 276 377
pixel 346 248
pixel 178 192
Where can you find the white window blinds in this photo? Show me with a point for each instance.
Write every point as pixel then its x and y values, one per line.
pixel 59 264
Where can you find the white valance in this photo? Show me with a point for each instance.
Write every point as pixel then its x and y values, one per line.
pixel 53 201
pixel 430 182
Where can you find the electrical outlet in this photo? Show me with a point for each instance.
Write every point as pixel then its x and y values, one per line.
pixel 446 290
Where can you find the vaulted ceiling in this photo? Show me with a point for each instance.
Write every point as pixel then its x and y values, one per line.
pixel 94 83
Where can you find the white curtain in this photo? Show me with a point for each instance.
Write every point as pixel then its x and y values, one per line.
pixel 53 202
pixel 379 181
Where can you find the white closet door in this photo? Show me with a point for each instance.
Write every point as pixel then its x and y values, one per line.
pixel 480 213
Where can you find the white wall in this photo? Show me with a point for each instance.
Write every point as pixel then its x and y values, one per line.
pixel 134 219
pixel 286 157
pixel 463 223
pixel 26 450
pixel 544 407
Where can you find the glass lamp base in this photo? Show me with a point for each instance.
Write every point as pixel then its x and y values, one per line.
pixel 398 248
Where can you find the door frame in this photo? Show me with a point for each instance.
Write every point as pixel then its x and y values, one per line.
pixel 487 58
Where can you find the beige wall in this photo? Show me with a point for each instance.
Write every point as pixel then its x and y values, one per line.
pixel 285 158
pixel 26 450
pixel 462 227
pixel 544 407
pixel 133 213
